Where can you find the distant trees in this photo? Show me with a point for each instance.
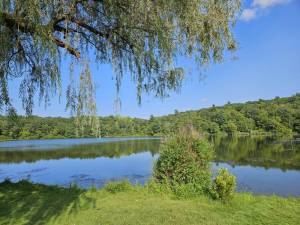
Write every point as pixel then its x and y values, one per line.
pixel 280 116
pixel 230 128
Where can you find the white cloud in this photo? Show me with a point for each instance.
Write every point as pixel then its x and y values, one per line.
pixel 248 14
pixel 268 3
pixel 258 6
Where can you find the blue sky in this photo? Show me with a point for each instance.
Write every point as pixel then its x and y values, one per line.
pixel 267 65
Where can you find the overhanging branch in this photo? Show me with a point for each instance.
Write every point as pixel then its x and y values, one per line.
pixel 69 48
pixel 15 23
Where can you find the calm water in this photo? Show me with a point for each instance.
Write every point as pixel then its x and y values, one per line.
pixel 262 165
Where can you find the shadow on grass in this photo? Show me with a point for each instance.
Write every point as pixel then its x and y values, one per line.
pixel 27 203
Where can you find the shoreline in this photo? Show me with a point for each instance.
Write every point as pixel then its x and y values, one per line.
pixel 160 136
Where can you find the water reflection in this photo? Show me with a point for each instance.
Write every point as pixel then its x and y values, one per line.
pixel 261 152
pixel 84 172
pixel 115 149
pixel 262 165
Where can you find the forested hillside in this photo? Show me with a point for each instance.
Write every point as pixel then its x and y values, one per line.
pixel 280 116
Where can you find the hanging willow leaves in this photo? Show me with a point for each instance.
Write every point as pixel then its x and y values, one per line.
pixel 86 105
pixel 143 37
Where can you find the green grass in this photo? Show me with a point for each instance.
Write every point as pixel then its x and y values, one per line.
pixel 26 203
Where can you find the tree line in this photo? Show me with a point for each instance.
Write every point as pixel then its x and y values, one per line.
pixel 279 116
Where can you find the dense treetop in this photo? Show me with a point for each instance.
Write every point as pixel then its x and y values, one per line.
pixel 279 116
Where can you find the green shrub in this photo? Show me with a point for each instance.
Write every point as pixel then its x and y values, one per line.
pixel 118 186
pixel 186 191
pixel 74 186
pixel 223 186
pixel 93 188
pixel 157 188
pixel 184 159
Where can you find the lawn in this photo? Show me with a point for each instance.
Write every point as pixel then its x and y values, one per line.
pixel 26 203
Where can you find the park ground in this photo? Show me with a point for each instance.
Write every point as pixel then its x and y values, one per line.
pixel 27 203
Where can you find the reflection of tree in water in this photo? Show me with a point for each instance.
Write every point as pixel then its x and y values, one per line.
pixel 111 150
pixel 264 152
pixel 258 151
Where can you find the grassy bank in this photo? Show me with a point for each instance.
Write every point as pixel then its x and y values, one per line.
pixel 26 203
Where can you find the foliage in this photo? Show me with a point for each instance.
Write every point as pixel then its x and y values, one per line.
pixel 55 205
pixel 140 36
pixel 118 186
pixel 152 186
pixel 184 160
pixel 223 186
pixel 280 116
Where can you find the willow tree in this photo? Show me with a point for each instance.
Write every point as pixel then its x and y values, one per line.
pixel 142 37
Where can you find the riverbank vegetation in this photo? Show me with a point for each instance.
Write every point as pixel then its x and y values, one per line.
pixel 280 116
pixel 182 191
pixel 184 167
pixel 184 163
pixel 27 203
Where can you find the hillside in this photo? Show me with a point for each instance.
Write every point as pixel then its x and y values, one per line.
pixel 280 116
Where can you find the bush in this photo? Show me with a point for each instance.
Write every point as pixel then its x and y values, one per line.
pixel 157 188
pixel 74 186
pixel 93 188
pixel 118 186
pixel 184 159
pixel 187 191
pixel 223 186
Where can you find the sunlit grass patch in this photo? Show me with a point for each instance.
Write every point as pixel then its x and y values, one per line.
pixel 122 203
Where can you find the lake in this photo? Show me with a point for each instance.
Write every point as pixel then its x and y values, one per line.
pixel 261 165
